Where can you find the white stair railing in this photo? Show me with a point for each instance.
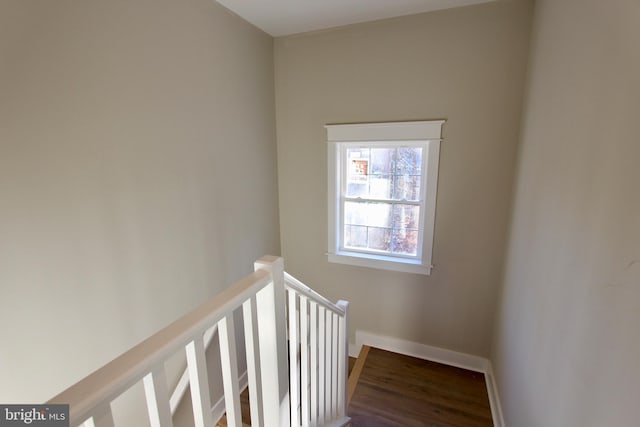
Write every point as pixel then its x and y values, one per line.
pixel 310 391
pixel 318 356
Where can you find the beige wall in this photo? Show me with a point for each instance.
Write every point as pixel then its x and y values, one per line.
pixel 567 346
pixel 137 175
pixel 466 65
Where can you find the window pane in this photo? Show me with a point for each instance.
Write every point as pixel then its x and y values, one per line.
pixel 355 213
pixel 407 187
pixel 406 217
pixel 358 189
pixel 371 214
pixel 355 236
pixel 379 214
pixel 357 172
pixel 381 186
pixel 380 239
pixel 408 161
pixel 382 161
pixel 404 242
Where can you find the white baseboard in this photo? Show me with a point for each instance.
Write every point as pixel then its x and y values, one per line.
pixel 494 397
pixel 439 355
pixel 218 409
pixel 422 351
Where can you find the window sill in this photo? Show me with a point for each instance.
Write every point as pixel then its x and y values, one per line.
pixel 380 262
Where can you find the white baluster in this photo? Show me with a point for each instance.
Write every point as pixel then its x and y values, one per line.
pixel 294 380
pixel 337 365
pixel 304 360
pixel 322 365
pixel 157 394
pixel 229 363
pixel 313 338
pixel 199 383
pixel 329 366
pixel 253 361
pixel 183 384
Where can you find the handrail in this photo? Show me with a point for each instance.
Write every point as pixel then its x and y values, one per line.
pixel 115 377
pixel 292 282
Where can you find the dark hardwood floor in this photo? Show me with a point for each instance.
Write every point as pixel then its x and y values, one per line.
pixel 398 390
pixel 402 391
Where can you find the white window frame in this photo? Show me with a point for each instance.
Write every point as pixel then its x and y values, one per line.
pixel 426 134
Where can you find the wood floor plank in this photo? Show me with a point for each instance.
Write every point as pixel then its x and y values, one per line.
pixel 398 390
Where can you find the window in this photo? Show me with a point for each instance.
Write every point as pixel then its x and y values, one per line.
pixel 382 194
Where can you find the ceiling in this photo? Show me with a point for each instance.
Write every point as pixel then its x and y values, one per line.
pixel 284 17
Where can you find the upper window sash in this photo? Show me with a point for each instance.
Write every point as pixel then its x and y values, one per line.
pixel 343 160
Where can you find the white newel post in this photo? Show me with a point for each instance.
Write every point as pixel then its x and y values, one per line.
pixel 271 316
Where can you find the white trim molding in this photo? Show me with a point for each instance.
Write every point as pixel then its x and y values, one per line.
pixel 386 131
pixel 422 351
pixel 439 355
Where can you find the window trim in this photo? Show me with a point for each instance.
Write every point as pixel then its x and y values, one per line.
pixel 341 135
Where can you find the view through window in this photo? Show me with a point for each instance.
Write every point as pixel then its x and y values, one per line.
pixel 382 199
